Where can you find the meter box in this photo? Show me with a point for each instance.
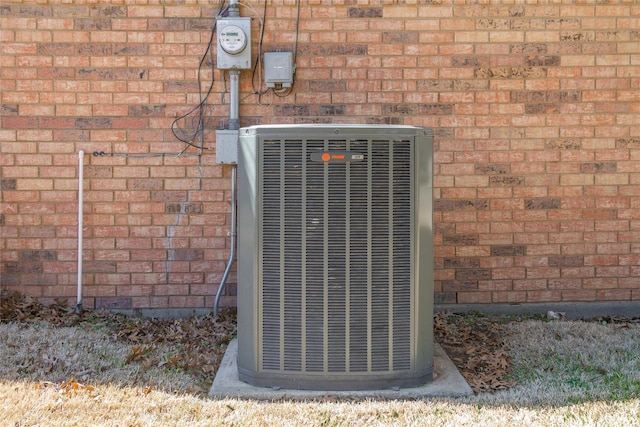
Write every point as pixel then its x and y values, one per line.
pixel 234 43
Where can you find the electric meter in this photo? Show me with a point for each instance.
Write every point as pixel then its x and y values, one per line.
pixel 234 43
pixel 233 40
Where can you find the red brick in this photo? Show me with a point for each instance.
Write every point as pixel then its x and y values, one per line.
pixel 509 297
pixel 579 295
pixel 612 271
pixel 531 261
pixel 577 272
pixel 630 259
pixel 544 296
pixel 614 294
pixel 561 284
pixel 630 282
pixel 530 285
pixel 543 273
pixel 579 98
pixel 613 248
pixel 601 260
pixel 170 289
pixel 474 297
pixel 145 282
pixel 104 289
pixel 600 283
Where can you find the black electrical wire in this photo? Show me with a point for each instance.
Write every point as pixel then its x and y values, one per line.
pixel 295 50
pixel 221 8
pixel 175 127
pixel 259 56
pixel 200 107
pixel 199 128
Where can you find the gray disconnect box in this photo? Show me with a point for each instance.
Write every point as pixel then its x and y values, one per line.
pixel 227 146
pixel 278 69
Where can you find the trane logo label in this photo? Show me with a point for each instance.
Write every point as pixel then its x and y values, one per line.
pixel 336 156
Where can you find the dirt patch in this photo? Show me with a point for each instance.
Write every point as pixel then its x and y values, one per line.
pixel 475 343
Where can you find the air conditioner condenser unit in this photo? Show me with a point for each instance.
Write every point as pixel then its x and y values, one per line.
pixel 335 256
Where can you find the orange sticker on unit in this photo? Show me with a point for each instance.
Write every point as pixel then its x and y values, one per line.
pixel 338 156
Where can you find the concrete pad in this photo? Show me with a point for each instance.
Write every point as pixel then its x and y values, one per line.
pixel 448 382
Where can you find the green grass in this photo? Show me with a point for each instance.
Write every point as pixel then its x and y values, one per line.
pixel 586 360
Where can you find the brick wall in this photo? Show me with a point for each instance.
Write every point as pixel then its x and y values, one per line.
pixel 536 110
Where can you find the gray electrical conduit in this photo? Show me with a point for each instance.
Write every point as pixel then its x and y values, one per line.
pixel 234 122
pixel 232 252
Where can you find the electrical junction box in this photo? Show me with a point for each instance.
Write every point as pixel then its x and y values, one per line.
pixel 278 69
pixel 233 46
pixel 227 146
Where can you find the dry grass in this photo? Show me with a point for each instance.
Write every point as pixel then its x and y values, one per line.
pixel 27 404
pixel 569 374
pixel 576 361
pixel 41 352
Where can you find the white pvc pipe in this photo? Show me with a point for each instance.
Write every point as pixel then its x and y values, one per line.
pixel 80 224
